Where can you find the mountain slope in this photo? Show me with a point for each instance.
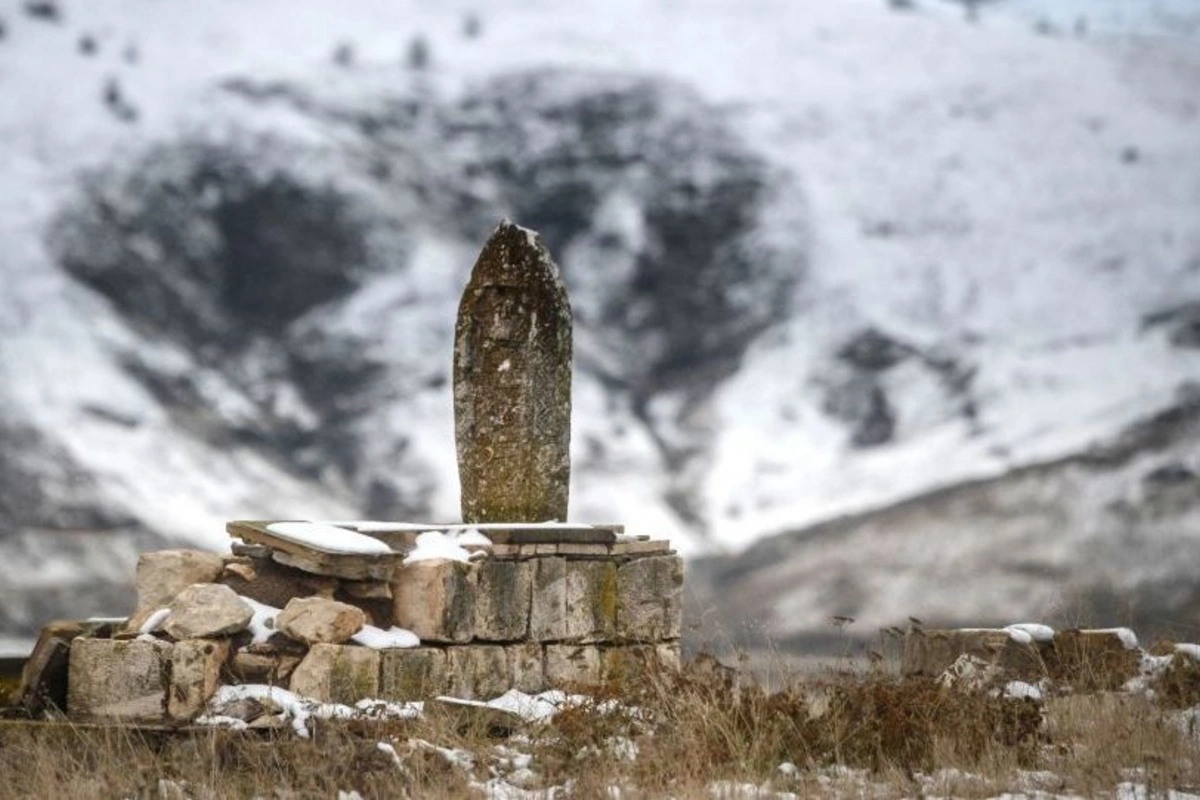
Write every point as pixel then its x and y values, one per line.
pixel 823 257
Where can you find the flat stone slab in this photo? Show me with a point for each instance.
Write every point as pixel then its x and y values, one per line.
pixel 314 557
pixel 402 536
pixel 619 550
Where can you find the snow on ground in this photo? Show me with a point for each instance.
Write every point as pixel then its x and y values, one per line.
pixel 299 710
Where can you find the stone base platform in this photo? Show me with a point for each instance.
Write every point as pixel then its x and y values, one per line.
pixel 517 614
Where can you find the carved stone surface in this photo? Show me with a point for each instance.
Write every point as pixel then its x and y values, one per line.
pixel 334 673
pixel 416 673
pixel 126 680
pixel 502 599
pixel 650 599
pixel 512 383
pixel 435 599
pixel 195 675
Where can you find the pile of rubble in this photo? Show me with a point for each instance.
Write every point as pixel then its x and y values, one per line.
pixel 342 616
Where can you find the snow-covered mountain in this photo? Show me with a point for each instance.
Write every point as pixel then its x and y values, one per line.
pixel 824 257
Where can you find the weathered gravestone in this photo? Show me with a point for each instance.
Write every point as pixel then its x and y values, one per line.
pixel 512 383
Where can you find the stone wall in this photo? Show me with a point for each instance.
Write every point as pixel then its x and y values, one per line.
pixel 528 617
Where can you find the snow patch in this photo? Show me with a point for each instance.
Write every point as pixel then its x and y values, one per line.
pixel 301 709
pixel 153 621
pixel 379 639
pixel 328 538
pixel 434 545
pixel 1032 632
pixel 262 621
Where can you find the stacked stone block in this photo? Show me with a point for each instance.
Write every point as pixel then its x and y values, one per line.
pixel 528 618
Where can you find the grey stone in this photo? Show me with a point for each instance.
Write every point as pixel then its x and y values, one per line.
pixel 526 664
pixel 572 665
pixel 512 383
pixel 334 673
pixel 206 610
pixel 548 612
pixel 502 597
pixel 163 574
pixel 316 620
pixel 477 672
pixel 573 601
pixel 416 673
pixel 124 680
pixel 591 601
pixel 195 675
pixel 435 599
pixel 650 599
pixel 931 652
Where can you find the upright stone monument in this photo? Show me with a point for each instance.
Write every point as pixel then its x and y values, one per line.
pixel 351 611
pixel 512 383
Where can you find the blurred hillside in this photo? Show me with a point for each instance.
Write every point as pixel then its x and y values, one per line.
pixel 860 292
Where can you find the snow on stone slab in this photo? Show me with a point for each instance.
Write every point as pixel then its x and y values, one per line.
pixel 329 538
pixel 1032 632
pixel 433 545
pixel 379 639
pixel 1128 637
pixel 1192 651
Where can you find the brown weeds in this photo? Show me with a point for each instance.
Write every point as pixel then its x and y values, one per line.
pixel 658 734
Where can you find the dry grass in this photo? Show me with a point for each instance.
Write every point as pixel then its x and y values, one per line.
pixel 866 733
